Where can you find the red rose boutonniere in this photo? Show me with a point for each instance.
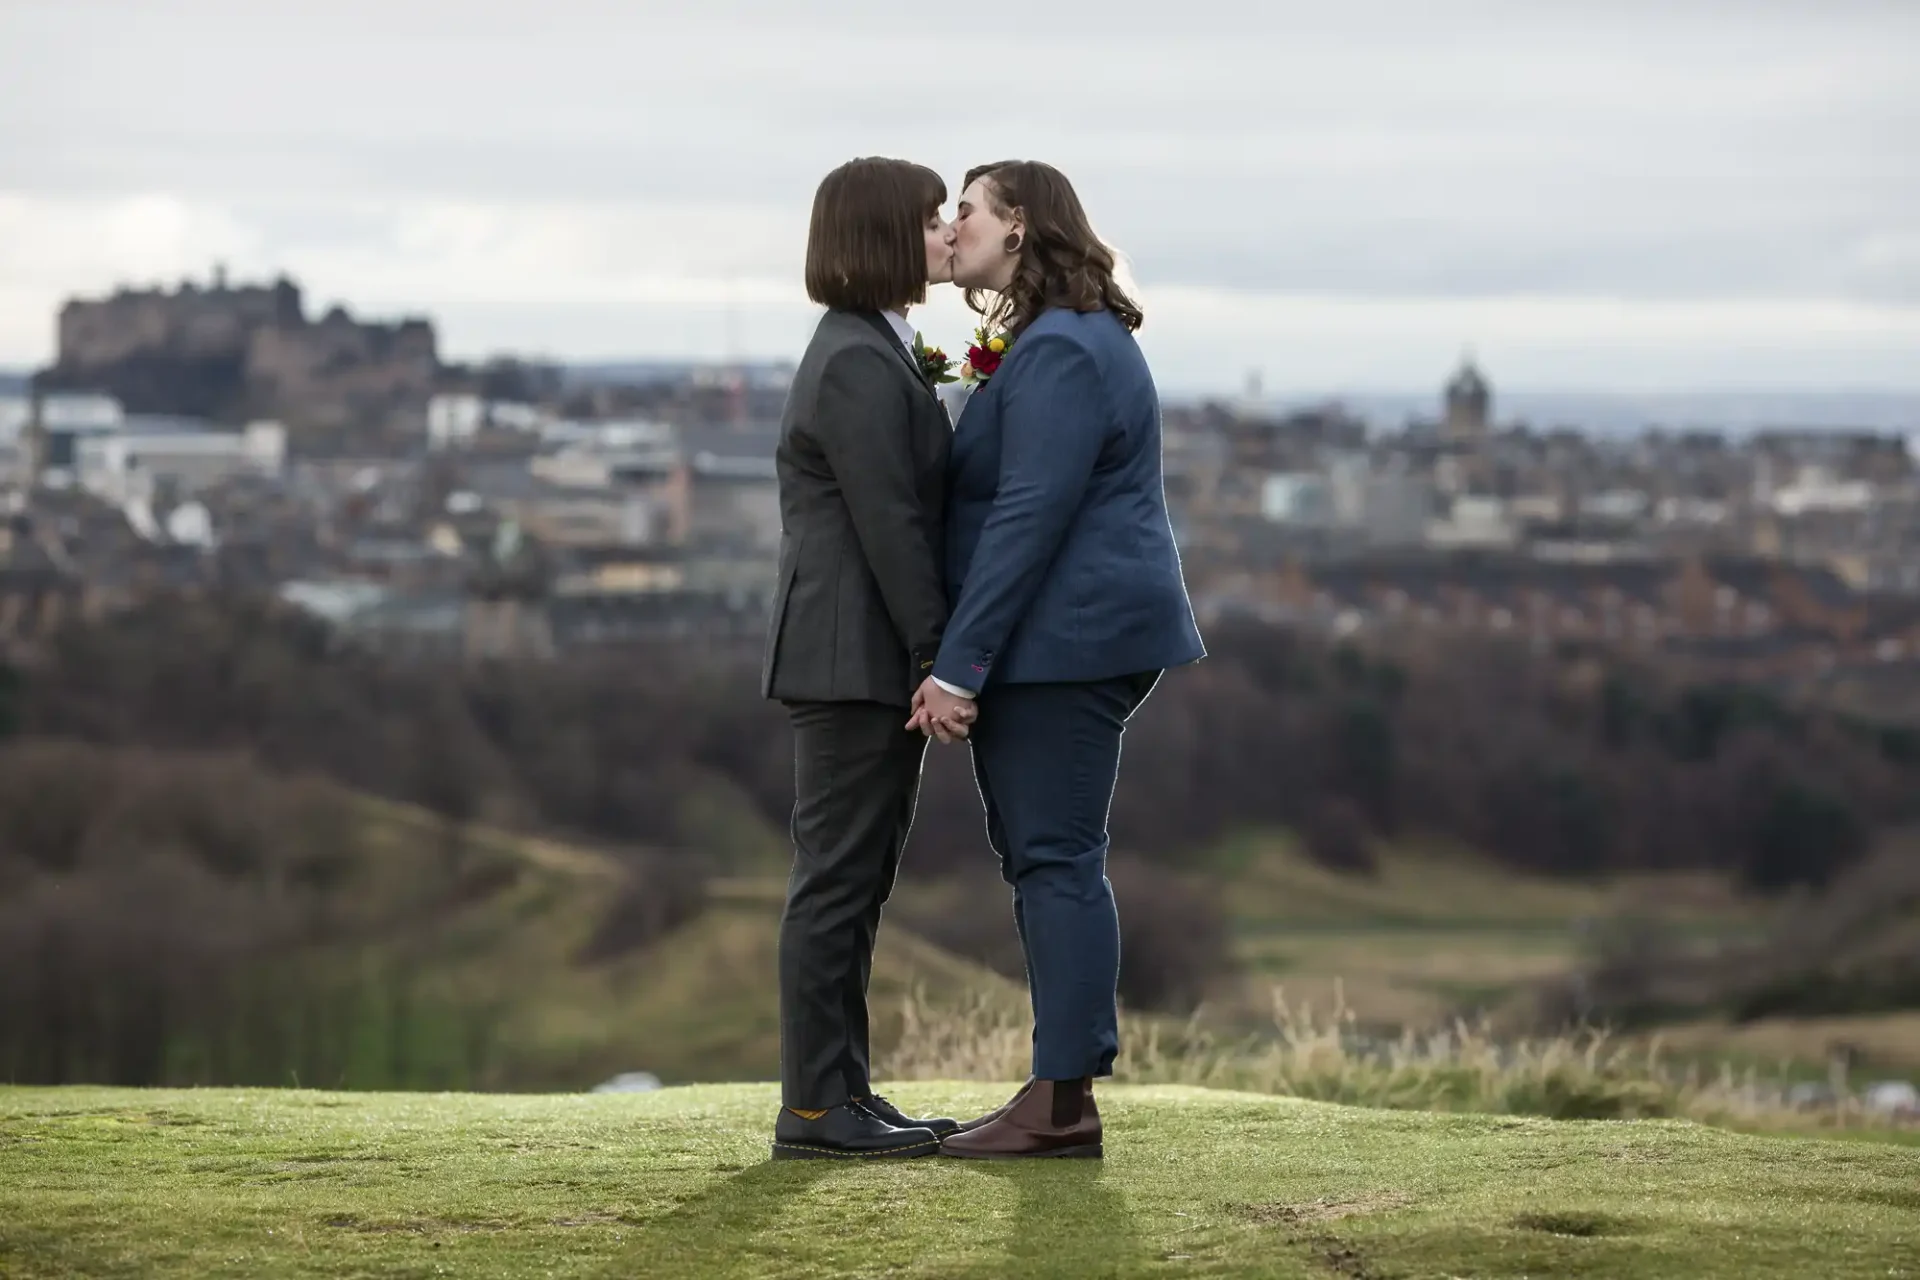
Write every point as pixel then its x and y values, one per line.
pixel 984 356
pixel 935 364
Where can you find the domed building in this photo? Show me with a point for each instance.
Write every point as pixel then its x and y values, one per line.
pixel 1469 404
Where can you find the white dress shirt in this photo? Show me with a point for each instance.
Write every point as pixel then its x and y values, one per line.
pixel 953 395
pixel 905 332
pixel 901 329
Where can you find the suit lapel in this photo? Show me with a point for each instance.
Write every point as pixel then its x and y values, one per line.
pixel 879 325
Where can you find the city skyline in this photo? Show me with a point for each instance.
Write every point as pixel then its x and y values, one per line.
pixel 1647 200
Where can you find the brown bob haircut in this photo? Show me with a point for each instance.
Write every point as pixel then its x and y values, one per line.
pixel 866 244
pixel 1062 262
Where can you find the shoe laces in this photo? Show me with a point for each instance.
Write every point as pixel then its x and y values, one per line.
pixel 867 1106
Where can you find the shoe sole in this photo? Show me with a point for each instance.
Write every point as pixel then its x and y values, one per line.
pixel 800 1151
pixel 1091 1151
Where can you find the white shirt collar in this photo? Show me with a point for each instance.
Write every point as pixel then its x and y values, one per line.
pixel 900 328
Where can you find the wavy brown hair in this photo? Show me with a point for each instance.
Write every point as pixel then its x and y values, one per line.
pixel 1062 262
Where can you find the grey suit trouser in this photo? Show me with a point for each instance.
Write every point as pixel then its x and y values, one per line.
pixel 856 774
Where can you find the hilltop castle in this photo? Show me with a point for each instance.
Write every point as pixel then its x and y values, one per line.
pixel 235 353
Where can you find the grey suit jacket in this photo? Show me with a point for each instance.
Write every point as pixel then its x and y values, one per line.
pixel 862 462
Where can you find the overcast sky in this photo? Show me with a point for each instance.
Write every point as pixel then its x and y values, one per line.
pixel 1625 195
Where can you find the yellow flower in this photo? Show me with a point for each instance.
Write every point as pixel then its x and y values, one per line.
pixel 997 345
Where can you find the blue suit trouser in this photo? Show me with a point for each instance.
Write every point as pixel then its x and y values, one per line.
pixel 1046 757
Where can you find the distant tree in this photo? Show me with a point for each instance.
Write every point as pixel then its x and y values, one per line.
pixel 1363 759
pixel 1336 837
pixel 9 700
pixel 662 891
pixel 1174 941
pixel 1579 764
pixel 1802 835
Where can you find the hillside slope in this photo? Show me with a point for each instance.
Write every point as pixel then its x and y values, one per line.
pixel 699 1003
pixel 1434 932
pixel 175 919
pixel 677 1184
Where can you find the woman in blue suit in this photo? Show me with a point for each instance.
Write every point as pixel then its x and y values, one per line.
pixel 1067 604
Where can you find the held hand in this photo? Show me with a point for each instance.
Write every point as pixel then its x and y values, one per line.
pixel 940 714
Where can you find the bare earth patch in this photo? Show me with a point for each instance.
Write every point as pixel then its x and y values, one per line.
pixel 1581 1226
pixel 1328 1208
pixel 411 1226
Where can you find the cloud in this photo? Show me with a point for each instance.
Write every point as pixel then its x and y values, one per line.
pixel 596 280
pixel 1317 342
pixel 593 178
pixel 51 247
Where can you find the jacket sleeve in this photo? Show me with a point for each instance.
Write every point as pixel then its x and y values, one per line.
pixel 1052 428
pixel 862 423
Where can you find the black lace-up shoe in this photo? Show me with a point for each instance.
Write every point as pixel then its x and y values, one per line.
pixel 847 1132
pixel 880 1107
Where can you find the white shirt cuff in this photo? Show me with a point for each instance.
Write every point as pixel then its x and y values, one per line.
pixel 953 689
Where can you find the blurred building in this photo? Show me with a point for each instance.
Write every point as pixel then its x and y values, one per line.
pixel 1469 405
pixel 232 352
pixel 149 456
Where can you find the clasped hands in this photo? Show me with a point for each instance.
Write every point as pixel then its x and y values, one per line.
pixel 940 714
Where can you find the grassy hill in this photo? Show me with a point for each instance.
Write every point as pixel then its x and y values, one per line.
pixel 505 971
pixel 1437 931
pixel 701 1003
pixel 180 920
pixel 252 1183
pixel 405 955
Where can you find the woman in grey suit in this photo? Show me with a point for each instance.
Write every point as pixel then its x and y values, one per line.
pixel 858 617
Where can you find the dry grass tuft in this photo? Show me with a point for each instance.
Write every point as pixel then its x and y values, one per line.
pixel 1588 1075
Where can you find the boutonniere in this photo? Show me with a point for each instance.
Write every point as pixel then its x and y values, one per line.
pixel 984 356
pixel 934 363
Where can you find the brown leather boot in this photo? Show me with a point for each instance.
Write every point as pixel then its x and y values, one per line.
pixel 968 1126
pixel 1050 1118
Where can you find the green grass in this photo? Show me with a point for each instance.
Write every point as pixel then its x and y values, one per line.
pixel 1436 933
pixel 487 990
pixel 699 1003
pixel 1439 933
pixel 219 1183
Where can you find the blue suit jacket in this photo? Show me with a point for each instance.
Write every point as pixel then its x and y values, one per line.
pixel 1061 563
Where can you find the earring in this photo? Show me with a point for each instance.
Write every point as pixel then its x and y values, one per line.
pixel 1012 243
